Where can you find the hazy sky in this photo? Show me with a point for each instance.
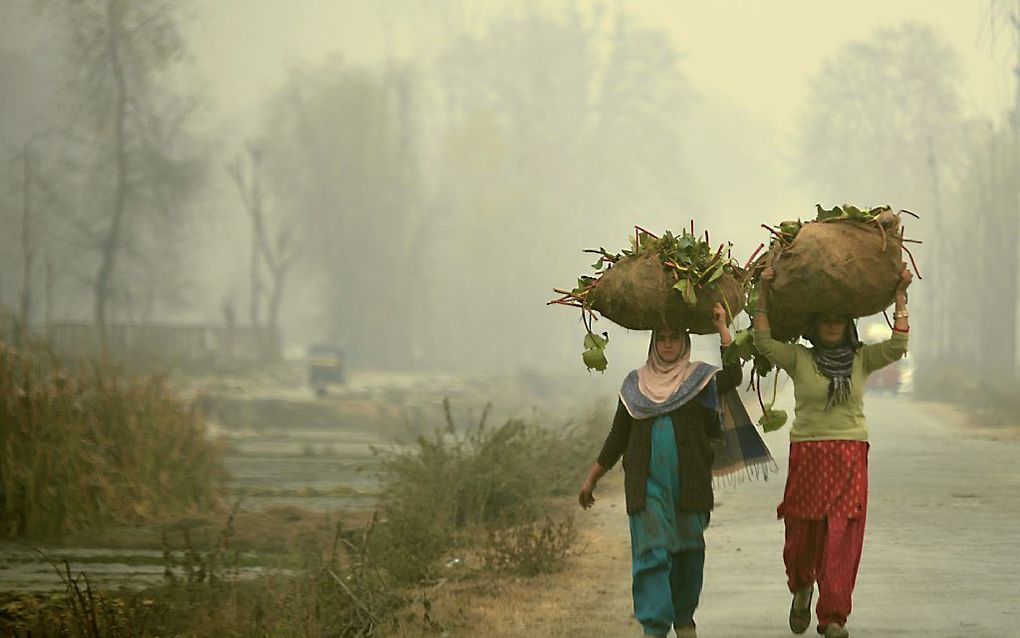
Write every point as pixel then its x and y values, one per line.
pixel 750 62
pixel 754 53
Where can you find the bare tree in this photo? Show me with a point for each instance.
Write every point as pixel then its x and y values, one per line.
pixel 275 245
pixel 126 142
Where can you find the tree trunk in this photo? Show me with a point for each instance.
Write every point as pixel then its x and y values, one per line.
pixel 275 301
pixel 110 245
pixel 256 281
pixel 27 246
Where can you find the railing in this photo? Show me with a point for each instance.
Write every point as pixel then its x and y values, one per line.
pixel 165 342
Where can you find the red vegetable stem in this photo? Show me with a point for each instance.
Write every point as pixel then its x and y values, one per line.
pixel 775 232
pixel 652 235
pixel 753 255
pixel 913 262
pixel 568 294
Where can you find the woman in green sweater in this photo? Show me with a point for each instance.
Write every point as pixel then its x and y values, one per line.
pixel 825 502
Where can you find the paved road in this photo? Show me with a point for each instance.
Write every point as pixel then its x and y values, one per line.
pixel 941 555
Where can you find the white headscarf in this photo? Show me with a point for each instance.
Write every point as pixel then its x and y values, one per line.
pixel 658 380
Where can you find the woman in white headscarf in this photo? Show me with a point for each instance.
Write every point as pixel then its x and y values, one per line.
pixel 667 421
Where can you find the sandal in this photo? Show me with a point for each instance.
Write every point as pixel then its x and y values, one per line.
pixel 834 630
pixel 800 617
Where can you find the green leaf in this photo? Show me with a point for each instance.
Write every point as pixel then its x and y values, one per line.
pixel 592 340
pixel 595 359
pixel 825 215
pixel 686 289
pixel 762 365
pixel 790 227
pixel 594 355
pixel 742 348
pixel 772 420
pixel 717 273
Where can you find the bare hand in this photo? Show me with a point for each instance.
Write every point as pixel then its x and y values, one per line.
pixel 906 277
pixel 768 275
pixel 585 498
pixel 719 317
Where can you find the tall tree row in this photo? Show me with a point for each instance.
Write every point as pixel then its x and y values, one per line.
pixel 884 125
pixel 422 190
pixel 555 130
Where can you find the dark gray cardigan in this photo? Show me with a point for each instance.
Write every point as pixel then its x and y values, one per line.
pixel 694 427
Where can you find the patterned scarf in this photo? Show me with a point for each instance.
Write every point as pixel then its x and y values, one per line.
pixel 743 454
pixel 836 362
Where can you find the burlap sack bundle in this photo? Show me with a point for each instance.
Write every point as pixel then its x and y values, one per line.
pixel 840 267
pixel 638 293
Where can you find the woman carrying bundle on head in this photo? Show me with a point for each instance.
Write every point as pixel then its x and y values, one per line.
pixel 826 498
pixel 668 420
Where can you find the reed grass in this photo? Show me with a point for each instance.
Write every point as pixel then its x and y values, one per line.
pixel 85 446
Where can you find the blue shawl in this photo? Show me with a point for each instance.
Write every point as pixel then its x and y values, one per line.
pixel 641 407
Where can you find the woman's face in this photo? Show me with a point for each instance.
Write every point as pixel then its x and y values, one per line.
pixel 669 344
pixel 831 329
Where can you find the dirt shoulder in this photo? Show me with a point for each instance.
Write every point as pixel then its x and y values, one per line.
pixel 590 596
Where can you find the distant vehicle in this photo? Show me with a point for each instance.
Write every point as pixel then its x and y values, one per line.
pixel 325 367
pixel 887 380
pixel 897 378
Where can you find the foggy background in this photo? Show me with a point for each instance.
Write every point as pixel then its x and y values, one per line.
pixel 426 173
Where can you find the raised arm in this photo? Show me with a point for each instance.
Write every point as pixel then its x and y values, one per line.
pixel 879 355
pixel 731 375
pixel 612 450
pixel 782 354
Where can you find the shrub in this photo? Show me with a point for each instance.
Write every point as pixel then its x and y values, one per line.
pixel 482 476
pixel 540 547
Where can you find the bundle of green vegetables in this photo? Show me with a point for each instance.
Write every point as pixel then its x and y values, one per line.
pixel 847 261
pixel 660 281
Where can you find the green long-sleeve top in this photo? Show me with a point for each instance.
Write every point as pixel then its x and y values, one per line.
pixel 812 422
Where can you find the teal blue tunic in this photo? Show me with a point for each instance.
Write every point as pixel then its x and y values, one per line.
pixel 661 524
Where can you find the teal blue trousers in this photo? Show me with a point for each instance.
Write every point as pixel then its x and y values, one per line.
pixel 667 545
pixel 667 588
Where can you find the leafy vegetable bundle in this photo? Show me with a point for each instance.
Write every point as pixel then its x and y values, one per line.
pixel 847 261
pixel 669 280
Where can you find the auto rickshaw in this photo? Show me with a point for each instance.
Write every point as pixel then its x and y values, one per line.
pixel 325 367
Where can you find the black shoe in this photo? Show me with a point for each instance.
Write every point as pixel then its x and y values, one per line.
pixel 800 618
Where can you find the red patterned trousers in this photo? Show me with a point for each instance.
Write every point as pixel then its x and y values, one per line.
pixel 827 552
pixel 825 507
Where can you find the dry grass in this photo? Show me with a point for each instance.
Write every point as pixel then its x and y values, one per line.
pixel 448 496
pixel 87 446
